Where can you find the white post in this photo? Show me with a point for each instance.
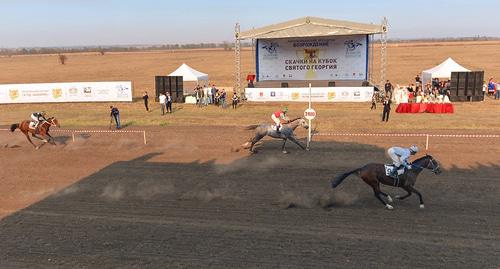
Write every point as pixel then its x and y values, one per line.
pixel 309 129
pixel 145 141
pixel 73 136
pixel 427 142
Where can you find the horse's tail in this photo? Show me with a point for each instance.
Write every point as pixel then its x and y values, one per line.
pixel 338 179
pixel 14 126
pixel 252 127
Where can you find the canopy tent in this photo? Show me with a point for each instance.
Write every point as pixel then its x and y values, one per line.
pixel 312 27
pixel 190 74
pixel 442 70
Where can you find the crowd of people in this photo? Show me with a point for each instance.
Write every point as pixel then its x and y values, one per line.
pixel 435 92
pixel 213 96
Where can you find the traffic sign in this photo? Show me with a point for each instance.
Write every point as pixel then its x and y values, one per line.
pixel 310 114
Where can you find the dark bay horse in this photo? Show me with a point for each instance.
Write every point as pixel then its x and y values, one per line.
pixel 42 130
pixel 286 133
pixel 374 173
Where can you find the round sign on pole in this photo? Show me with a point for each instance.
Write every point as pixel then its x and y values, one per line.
pixel 310 114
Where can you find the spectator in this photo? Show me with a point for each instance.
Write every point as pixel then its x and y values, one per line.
pixel 214 91
pixel 223 98
pixel 411 89
pixel 205 95
pixel 418 82
pixel 388 88
pixel 197 95
pixel 484 89
pixel 210 97
pixel 115 113
pixel 162 100
pixel 374 101
pixel 145 97
pixel 168 102
pixel 491 87
pixel 387 109
pixel 235 100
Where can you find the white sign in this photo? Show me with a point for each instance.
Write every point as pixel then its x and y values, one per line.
pixel 120 91
pixel 320 58
pixel 310 114
pixel 320 94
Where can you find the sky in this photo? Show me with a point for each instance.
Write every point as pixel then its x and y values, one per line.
pixel 57 23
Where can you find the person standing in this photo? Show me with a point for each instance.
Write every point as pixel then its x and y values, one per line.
pixel 374 101
pixel 145 97
pixel 388 88
pixel 223 98
pixel 115 113
pixel 169 103
pixel 387 109
pixel 162 100
pixel 214 92
pixel 235 100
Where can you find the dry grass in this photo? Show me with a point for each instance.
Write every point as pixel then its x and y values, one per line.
pixel 405 61
pixel 331 117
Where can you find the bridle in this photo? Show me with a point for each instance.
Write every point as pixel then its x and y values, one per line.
pixel 433 163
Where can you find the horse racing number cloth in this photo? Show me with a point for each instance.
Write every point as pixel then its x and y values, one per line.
pixel 420 108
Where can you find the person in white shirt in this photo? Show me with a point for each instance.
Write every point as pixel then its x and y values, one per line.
pixel 205 95
pixel 162 98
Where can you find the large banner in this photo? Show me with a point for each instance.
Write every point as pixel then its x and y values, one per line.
pixel 326 94
pixel 321 58
pixel 66 92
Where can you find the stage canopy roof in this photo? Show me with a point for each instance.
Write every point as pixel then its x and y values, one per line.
pixel 312 27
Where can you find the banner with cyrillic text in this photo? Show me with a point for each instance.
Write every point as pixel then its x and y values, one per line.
pixel 120 91
pixel 321 58
pixel 320 94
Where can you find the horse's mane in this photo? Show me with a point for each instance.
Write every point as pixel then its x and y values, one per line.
pixel 294 119
pixel 421 158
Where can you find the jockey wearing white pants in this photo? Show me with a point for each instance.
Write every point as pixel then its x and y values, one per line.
pixel 278 116
pixel 401 155
pixel 37 117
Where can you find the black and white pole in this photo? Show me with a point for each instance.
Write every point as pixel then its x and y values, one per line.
pixel 309 114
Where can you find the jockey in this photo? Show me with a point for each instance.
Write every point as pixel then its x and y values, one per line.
pixel 38 116
pixel 400 157
pixel 279 116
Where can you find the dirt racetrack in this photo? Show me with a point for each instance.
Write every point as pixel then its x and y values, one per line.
pixel 188 200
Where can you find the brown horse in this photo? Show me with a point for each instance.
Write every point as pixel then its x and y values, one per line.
pixel 374 173
pixel 42 129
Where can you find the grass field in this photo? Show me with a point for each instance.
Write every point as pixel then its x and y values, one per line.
pixel 339 116
pixel 405 60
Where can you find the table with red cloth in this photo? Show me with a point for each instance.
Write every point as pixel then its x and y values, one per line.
pixel 421 107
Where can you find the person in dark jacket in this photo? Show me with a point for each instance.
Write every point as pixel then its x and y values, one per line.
pixel 115 113
pixel 146 98
pixel 387 109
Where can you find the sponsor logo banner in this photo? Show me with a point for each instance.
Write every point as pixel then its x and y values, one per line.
pixel 66 92
pixel 320 58
pixel 320 94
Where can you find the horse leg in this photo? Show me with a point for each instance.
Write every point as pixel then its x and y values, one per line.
pixel 255 140
pixel 412 189
pixel 297 142
pixel 405 196
pixel 389 198
pixel 51 139
pixel 283 147
pixel 377 192
pixel 29 139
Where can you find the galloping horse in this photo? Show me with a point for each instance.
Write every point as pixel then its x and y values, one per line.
pixel 286 133
pixel 43 130
pixel 374 173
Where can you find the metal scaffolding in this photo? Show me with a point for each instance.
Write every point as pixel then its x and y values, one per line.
pixel 237 56
pixel 383 52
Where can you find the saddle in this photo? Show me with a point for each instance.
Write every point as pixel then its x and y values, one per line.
pixel 390 171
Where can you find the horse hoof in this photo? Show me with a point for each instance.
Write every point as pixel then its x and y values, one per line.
pixel 389 198
pixel 422 206
pixel 285 152
pixel 389 207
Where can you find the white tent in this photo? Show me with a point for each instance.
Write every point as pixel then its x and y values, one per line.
pixel 442 70
pixel 190 74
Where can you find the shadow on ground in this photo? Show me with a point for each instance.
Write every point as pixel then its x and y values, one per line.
pixel 140 214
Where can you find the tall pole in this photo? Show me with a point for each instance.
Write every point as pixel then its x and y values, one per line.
pixel 309 129
pixel 237 56
pixel 383 52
